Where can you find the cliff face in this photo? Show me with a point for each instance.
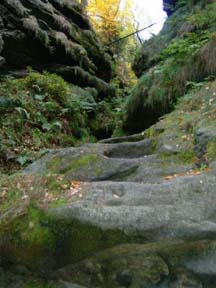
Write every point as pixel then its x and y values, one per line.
pixel 169 6
pixel 182 53
pixel 41 109
pixel 52 35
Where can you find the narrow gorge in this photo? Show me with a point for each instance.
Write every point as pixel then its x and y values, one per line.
pixel 79 211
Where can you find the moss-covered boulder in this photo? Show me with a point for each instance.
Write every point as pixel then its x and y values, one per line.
pixel 154 265
pixel 52 35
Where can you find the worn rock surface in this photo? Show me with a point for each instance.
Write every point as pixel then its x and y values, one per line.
pixel 148 187
pixel 139 213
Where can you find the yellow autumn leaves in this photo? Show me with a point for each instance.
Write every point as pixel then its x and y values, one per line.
pixel 111 19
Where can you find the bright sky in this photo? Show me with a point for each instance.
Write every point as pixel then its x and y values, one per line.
pixel 148 12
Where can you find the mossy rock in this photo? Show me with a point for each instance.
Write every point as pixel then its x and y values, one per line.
pixel 152 265
pixel 57 33
pixel 170 62
pixel 211 151
pixel 42 242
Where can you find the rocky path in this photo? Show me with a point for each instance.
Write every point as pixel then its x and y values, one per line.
pixel 137 211
pixel 157 213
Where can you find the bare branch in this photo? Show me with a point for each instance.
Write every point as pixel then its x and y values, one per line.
pixel 131 34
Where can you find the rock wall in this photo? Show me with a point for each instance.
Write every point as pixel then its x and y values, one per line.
pixel 53 35
pixel 169 6
pixel 167 64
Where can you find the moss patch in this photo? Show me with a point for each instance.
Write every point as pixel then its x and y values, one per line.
pixel 57 166
pixel 42 242
pixel 148 263
pixel 30 241
pixel 187 157
pixel 183 157
pixel 211 151
pixel 19 191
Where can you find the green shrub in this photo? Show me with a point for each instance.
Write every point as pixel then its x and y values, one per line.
pixel 41 111
pixel 185 62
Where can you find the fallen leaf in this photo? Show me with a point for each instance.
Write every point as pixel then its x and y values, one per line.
pixel 169 177
pixel 184 137
pixel 189 173
pixel 31 225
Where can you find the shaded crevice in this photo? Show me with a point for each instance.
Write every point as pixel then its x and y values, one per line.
pixel 120 175
pixel 131 150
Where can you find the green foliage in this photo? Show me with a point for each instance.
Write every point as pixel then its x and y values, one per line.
pixel 155 92
pixel 211 151
pixel 41 111
pixel 82 161
pixel 187 156
pixel 181 3
pixel 38 284
pixel 181 48
pixel 204 18
pixel 180 58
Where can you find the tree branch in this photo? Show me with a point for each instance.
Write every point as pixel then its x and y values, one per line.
pixel 131 34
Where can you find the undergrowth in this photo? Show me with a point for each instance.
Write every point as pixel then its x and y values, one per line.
pixel 42 111
pixel 188 58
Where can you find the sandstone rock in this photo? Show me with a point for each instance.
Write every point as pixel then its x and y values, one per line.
pixel 161 264
pixel 132 161
pixel 51 35
pixel 139 205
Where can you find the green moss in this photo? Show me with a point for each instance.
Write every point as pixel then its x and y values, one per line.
pixel 29 229
pixel 77 240
pixel 13 195
pixel 56 164
pixel 183 157
pixel 152 132
pixel 41 241
pixel 38 284
pixel 31 241
pixel 58 203
pixel 44 190
pixel 187 157
pixel 147 263
pixel 211 151
pixel 37 239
